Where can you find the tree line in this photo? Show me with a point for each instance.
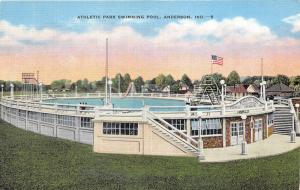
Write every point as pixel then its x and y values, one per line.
pixel 121 82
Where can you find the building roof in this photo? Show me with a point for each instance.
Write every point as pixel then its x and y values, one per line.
pixel 253 88
pixel 279 88
pixel 240 88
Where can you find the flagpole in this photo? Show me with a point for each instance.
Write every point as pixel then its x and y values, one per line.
pixel 211 68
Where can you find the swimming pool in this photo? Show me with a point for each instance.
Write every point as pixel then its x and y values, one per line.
pixel 128 102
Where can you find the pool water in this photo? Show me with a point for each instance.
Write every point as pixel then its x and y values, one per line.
pixel 122 102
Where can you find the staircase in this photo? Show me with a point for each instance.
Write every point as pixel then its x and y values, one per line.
pixel 207 90
pixel 172 134
pixel 283 119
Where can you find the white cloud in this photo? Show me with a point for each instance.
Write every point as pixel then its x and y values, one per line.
pixel 15 34
pixel 294 21
pixel 236 30
pixel 185 34
pixel 132 20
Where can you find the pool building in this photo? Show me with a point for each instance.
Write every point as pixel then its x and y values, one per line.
pixel 153 123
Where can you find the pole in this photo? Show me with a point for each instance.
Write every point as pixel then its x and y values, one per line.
pixel 41 92
pixel 244 143
pixel 106 72
pixel 75 90
pixel 2 86
pixel 211 69
pixel 119 87
pixel 201 155
pixel 262 69
pixel 12 91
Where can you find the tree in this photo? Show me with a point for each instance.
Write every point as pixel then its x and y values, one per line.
pixel 127 81
pixel 187 81
pixel 295 81
pixel 61 84
pixel 281 79
pixel 160 80
pixel 175 87
pixel 118 79
pixel 233 79
pixel 169 80
pixel 138 82
pixel 217 78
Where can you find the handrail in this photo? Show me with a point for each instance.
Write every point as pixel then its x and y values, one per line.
pixel 153 117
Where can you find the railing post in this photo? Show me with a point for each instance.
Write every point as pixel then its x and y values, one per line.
pixel 266 105
pixel 145 110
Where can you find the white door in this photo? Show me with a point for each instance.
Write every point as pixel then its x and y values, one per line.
pixel 258 129
pixel 237 132
pixel 234 134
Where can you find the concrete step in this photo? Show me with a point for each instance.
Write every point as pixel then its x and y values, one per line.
pixel 174 138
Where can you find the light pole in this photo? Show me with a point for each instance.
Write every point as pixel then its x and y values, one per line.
pixel 293 133
pixel 119 86
pixel 201 155
pixel 12 91
pixel 76 90
pixel 264 90
pixel 41 91
pixel 2 86
pixel 244 143
pixel 222 82
pixel 110 83
pixel 297 109
pixel 297 113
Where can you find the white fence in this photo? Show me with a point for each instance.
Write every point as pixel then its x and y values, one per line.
pixel 74 122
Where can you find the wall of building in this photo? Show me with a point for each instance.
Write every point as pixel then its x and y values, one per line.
pixel 213 142
pixel 270 131
pixel 53 129
pixel 147 142
pixel 249 127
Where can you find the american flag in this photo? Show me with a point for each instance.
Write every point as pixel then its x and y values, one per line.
pixel 216 60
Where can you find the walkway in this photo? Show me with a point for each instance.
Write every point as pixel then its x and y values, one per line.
pixel 274 145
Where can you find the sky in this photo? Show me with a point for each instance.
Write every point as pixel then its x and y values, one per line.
pixel 59 40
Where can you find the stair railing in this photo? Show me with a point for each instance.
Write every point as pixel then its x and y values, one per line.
pixel 158 121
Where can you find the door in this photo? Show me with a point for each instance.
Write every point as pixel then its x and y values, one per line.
pixel 258 129
pixel 234 134
pixel 237 133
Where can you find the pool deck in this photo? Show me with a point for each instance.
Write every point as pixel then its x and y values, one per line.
pixel 274 145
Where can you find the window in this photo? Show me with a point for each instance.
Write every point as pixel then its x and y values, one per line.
pixel 270 119
pixel 66 120
pixel 33 115
pixel 48 118
pixel 211 127
pixel 180 124
pixel 13 111
pixel 195 124
pixel 114 128
pixel 258 123
pixel 22 113
pixel 86 122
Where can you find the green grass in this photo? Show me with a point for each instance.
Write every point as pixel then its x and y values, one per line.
pixel 32 161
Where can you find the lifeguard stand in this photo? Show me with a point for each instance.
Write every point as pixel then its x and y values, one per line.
pixel 207 92
pixel 30 85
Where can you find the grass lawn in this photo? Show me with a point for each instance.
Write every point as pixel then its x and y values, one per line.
pixel 32 161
